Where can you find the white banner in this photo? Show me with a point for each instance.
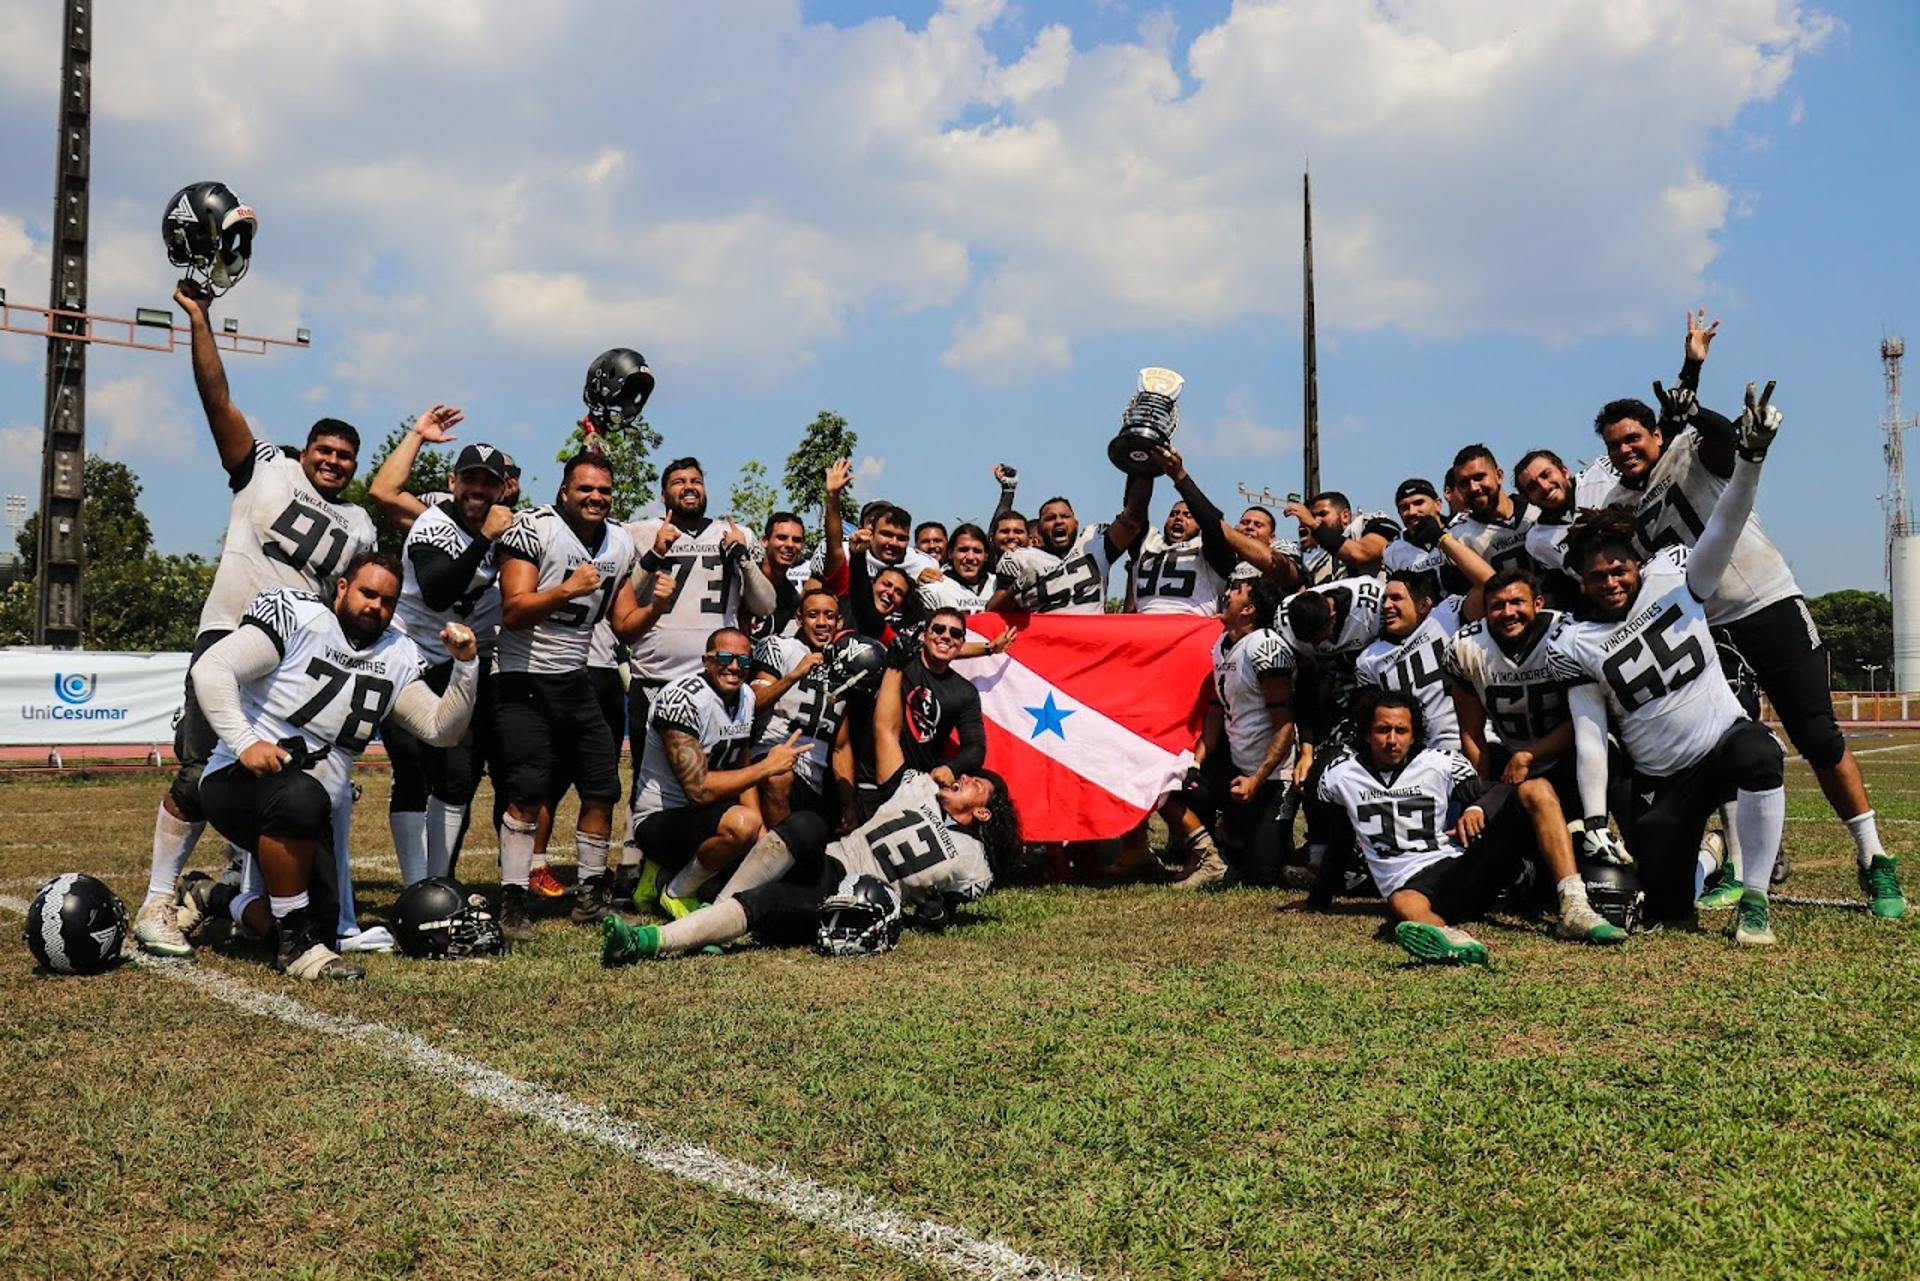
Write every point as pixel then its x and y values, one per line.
pixel 54 696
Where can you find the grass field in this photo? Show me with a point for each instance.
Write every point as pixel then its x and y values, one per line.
pixel 1125 1082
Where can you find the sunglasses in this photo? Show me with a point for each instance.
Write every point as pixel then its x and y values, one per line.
pixel 729 660
pixel 946 629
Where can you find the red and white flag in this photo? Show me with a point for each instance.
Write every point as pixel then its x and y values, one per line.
pixel 1091 719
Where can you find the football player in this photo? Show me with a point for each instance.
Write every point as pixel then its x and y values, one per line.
pixel 1283 565
pixel 1432 869
pixel 791 695
pixel 1344 545
pixel 1547 484
pixel 930 843
pixel 1010 530
pixel 1646 661
pixel 563 568
pixel 288 527
pixel 930 539
pixel 1065 572
pixel 696 805
pixel 966 584
pixel 1672 471
pixel 1493 524
pixel 1415 633
pixel 1422 527
pixel 1184 566
pixel 784 565
pixel 294 694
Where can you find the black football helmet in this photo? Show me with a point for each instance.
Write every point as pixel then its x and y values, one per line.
pixel 861 918
pixel 438 919
pixel 76 925
pixel 618 384
pixel 208 231
pixel 1613 889
pixel 853 662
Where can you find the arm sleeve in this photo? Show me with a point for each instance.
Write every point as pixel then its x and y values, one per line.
pixel 1717 437
pixel 1005 505
pixel 1714 552
pixel 756 592
pixel 1219 553
pixel 1590 746
pixel 438 721
pixel 973 735
pixel 444 579
pixel 248 654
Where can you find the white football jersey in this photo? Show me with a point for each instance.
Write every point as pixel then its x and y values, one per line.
pixel 563 640
pixel 1525 696
pixel 804 707
pixel 325 690
pixel 478 607
pixel 1501 543
pixel 604 649
pixel 1237 669
pixel 1402 557
pixel 911 843
pixel 1321 566
pixel 1400 821
pixel 706 597
pixel 1547 545
pixel 951 593
pixel 910 564
pixel 1672 511
pixel 1175 578
pixel 1666 696
pixel 1417 666
pixel 1072 584
pixel 1356 606
pixel 691 706
pixel 280 533
pixel 1594 482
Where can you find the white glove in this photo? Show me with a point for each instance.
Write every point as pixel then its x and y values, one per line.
pixel 1598 844
pixel 1759 424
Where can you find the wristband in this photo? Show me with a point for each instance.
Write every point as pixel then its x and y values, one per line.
pixel 1329 538
pixel 652 561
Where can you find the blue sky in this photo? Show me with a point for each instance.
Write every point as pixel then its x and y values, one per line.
pixel 966 226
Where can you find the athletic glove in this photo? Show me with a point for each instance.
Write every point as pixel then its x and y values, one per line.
pixel 1594 842
pixel 1678 406
pixel 905 647
pixel 1759 424
pixel 1425 532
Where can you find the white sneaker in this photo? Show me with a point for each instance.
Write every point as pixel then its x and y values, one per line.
pixel 157 929
pixel 1582 924
pixel 1208 869
pixel 319 961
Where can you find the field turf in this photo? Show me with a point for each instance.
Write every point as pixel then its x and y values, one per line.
pixel 1128 1082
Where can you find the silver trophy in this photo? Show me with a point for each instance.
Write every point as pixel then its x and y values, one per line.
pixel 1147 422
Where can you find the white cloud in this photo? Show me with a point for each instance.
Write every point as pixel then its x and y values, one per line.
pixel 1237 433
pixel 20 461
pixel 869 469
pixel 135 418
pixel 1001 349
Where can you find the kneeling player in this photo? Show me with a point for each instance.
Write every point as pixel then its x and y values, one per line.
pixel 294 694
pixel 1397 798
pixel 929 844
pixel 793 693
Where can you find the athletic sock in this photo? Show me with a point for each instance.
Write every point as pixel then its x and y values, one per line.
pixel 1573 893
pixel 1760 818
pixel 516 851
pixel 590 851
pixel 287 906
pixel 687 881
pixel 173 842
pixel 630 855
pixel 1703 869
pixel 722 922
pixel 445 823
pixel 409 828
pixel 1866 838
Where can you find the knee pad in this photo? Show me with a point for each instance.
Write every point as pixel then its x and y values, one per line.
pixel 303 809
pixel 185 791
pixel 1755 759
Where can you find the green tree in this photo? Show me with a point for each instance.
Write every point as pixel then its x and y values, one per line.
pixel 1857 627
pixel 134 597
pixel 826 440
pixel 751 498
pixel 636 476
pixel 429 475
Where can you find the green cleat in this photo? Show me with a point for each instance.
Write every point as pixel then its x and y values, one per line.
pixel 623 944
pixel 1880 882
pixel 1723 891
pixel 646 891
pixel 1438 945
pixel 1751 924
pixel 679 907
pixel 1584 925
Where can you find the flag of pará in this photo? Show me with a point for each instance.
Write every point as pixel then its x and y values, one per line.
pixel 1092 719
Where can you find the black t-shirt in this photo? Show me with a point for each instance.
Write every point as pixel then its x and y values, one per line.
pixel 935 708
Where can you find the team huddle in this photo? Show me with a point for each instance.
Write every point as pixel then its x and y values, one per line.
pixel 1453 705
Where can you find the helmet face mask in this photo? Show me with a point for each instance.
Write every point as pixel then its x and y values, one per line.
pixel 208 231
pixel 437 919
pixel 618 385
pixel 1613 890
pixel 861 918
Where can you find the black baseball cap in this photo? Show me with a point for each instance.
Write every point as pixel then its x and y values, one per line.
pixel 1415 485
pixel 482 458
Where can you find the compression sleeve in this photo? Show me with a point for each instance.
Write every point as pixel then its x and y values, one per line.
pixel 1714 552
pixel 438 720
pixel 444 579
pixel 757 596
pixel 973 735
pixel 1219 553
pixel 1589 708
pixel 249 654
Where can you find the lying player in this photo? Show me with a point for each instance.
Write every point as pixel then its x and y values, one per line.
pixel 930 844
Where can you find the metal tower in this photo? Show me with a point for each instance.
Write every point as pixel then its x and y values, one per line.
pixel 1894 501
pixel 1309 348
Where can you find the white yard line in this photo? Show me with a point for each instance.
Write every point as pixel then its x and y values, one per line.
pixel 851 1213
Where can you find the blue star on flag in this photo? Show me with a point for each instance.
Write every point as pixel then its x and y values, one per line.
pixel 1049 718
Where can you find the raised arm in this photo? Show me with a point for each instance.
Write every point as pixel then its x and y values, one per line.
pixel 632 616
pixel 439 720
pixel 1218 543
pixel 756 591
pixel 839 476
pixel 1754 434
pixel 389 484
pixel 1474 568
pixel 231 435
pixel 888 758
pixel 1009 482
pixel 1131 521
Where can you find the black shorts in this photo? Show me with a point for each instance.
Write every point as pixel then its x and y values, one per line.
pixel 611 692
pixel 670 837
pixel 640 692
pixel 1460 889
pixel 450 775
pixel 1670 813
pixel 244 806
pixel 787 911
pixel 1256 839
pixel 193 738
pixel 1789 663
pixel 1563 772
pixel 551 734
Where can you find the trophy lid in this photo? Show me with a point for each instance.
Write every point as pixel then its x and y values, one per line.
pixel 1161 382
